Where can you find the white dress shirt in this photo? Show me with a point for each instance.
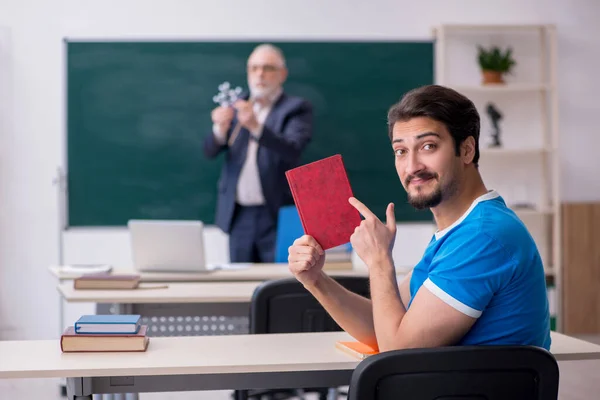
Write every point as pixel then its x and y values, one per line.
pixel 249 190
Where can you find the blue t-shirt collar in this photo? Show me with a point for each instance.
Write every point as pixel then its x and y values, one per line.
pixel 492 194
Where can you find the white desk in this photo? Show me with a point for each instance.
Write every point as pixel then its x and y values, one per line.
pixel 257 272
pixel 148 293
pixel 196 299
pixel 209 363
pixel 198 304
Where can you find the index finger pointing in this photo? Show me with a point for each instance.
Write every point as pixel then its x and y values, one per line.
pixel 364 210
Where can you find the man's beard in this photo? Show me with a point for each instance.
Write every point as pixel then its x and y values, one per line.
pixel 422 201
pixel 261 92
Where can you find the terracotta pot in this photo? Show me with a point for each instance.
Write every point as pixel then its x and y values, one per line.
pixel 493 77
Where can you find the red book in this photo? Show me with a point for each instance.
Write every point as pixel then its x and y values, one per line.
pixel 321 191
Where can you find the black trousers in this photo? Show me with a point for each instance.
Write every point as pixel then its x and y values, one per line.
pixel 253 234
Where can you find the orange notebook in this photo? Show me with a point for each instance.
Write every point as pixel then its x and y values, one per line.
pixel 356 349
pixel 321 191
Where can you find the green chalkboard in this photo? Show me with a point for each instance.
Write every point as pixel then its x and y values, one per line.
pixel 137 113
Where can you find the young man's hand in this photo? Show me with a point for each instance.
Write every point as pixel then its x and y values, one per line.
pixel 306 259
pixel 372 239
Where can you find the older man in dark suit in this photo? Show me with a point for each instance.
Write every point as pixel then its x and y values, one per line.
pixel 262 135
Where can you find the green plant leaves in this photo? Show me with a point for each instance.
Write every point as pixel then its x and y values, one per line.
pixel 494 59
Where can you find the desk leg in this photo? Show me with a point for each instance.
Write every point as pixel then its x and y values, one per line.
pixel 61 325
pixel 77 389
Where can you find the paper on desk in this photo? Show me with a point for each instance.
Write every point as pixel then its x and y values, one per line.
pixel 85 268
pixel 152 286
pixel 228 266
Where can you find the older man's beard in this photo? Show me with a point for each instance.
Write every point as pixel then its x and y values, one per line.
pixel 261 92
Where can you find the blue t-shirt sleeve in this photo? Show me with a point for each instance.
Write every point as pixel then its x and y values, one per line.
pixel 467 270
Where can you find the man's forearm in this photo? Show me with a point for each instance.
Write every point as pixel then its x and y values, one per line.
pixel 388 309
pixel 351 311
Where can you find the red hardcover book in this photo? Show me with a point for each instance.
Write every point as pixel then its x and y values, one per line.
pixel 321 191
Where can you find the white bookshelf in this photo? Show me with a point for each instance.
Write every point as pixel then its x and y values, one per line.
pixel 525 169
pixel 535 212
pixel 515 151
pixel 506 88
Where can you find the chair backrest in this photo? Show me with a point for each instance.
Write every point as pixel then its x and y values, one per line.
pixel 285 306
pixel 289 228
pixel 457 373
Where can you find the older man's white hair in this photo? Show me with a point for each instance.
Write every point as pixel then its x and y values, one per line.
pixel 273 48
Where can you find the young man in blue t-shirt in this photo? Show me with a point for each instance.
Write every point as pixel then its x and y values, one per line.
pixel 481 279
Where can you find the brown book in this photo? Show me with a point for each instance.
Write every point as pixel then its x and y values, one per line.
pixel 337 265
pixel 95 342
pixel 107 281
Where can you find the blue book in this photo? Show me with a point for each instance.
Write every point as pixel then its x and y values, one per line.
pixel 117 324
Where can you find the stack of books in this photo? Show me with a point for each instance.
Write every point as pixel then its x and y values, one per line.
pixel 101 333
pixel 341 253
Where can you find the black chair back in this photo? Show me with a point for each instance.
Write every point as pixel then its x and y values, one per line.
pixel 285 306
pixel 458 373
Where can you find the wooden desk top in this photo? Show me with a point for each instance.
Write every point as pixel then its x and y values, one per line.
pixel 194 292
pixel 257 272
pixel 211 355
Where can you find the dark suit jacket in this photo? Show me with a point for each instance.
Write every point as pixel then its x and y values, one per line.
pixel 286 132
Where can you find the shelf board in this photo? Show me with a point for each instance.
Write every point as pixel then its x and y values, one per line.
pixel 486 27
pixel 492 27
pixel 503 88
pixel 531 212
pixel 513 151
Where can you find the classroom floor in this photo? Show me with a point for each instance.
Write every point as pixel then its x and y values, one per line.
pixel 579 380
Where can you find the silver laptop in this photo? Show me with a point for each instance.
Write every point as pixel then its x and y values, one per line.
pixel 167 246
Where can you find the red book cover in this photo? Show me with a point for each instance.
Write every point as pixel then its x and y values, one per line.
pixel 321 191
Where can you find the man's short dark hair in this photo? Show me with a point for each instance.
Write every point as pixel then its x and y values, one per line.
pixel 444 105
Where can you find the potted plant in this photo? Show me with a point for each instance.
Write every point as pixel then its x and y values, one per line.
pixel 494 63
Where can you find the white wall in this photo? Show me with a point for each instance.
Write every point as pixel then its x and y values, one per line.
pixel 32 103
